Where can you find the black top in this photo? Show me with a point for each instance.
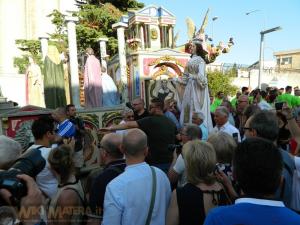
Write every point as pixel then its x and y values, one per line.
pixel 160 132
pixel 111 171
pixel 191 205
pixel 138 117
pixel 79 125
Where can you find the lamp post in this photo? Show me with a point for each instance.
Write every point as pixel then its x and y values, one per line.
pixel 261 52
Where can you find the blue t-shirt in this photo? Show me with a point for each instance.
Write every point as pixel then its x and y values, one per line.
pixel 252 214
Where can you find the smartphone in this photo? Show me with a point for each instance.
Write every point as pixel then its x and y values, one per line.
pixel 278 105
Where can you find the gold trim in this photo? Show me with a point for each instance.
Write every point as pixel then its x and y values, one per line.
pixel 165 58
pixel 163 70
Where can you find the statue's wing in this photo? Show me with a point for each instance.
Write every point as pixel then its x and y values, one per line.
pixel 191 28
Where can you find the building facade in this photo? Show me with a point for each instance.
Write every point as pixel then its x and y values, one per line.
pixel 23 19
pixel 288 60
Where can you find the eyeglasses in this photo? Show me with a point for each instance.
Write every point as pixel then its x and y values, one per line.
pixel 247 128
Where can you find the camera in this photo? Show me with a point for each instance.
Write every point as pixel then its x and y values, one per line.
pixel 30 163
pixel 172 147
pixel 278 105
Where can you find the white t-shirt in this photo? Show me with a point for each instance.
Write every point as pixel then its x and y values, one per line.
pixel 179 168
pixel 229 129
pixel 46 180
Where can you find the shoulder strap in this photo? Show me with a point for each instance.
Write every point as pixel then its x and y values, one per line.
pixel 152 196
pixel 83 201
pixel 39 147
pixel 42 146
pixel 84 204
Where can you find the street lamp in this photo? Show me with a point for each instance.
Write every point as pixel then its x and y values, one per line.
pixel 261 52
pixel 256 10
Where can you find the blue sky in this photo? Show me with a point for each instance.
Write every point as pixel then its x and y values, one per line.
pixel 245 30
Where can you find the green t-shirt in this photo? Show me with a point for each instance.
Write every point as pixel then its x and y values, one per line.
pixel 291 100
pixel 233 102
pixel 216 103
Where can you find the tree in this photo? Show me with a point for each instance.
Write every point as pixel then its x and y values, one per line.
pixel 96 22
pixel 217 81
pixel 30 48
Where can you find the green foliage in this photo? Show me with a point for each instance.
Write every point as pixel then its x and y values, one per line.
pixel 120 4
pixel 217 81
pixel 96 22
pixel 59 37
pixel 233 72
pixel 21 63
pixel 30 48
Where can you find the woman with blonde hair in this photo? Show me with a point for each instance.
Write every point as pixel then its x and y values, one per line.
pixel 225 146
pixel 69 198
pixel 191 203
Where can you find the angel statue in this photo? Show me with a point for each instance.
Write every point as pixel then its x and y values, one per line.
pixel 196 94
pixel 211 52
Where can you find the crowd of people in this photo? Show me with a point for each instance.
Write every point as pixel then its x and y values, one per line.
pixel 155 170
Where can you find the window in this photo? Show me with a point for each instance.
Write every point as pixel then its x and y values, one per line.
pixel 278 61
pixel 286 61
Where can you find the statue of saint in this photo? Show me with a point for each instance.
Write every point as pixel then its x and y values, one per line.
pixel 110 96
pixel 34 85
pixel 92 81
pixel 196 95
pixel 54 84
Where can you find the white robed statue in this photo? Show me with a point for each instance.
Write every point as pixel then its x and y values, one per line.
pixel 34 85
pixel 196 95
pixel 110 95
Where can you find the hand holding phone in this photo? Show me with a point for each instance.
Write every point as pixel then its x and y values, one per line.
pixel 278 105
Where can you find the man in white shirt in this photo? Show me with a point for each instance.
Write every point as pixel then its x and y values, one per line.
pixel 128 196
pixel 222 124
pixel 43 131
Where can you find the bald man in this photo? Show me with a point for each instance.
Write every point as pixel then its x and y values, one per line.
pixel 128 196
pixel 113 161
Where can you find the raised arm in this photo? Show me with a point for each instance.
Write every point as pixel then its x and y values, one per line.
pixel 124 126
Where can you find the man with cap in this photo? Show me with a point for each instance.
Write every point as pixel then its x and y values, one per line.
pixel 198 118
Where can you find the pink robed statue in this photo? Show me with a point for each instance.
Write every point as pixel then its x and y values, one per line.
pixel 92 81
